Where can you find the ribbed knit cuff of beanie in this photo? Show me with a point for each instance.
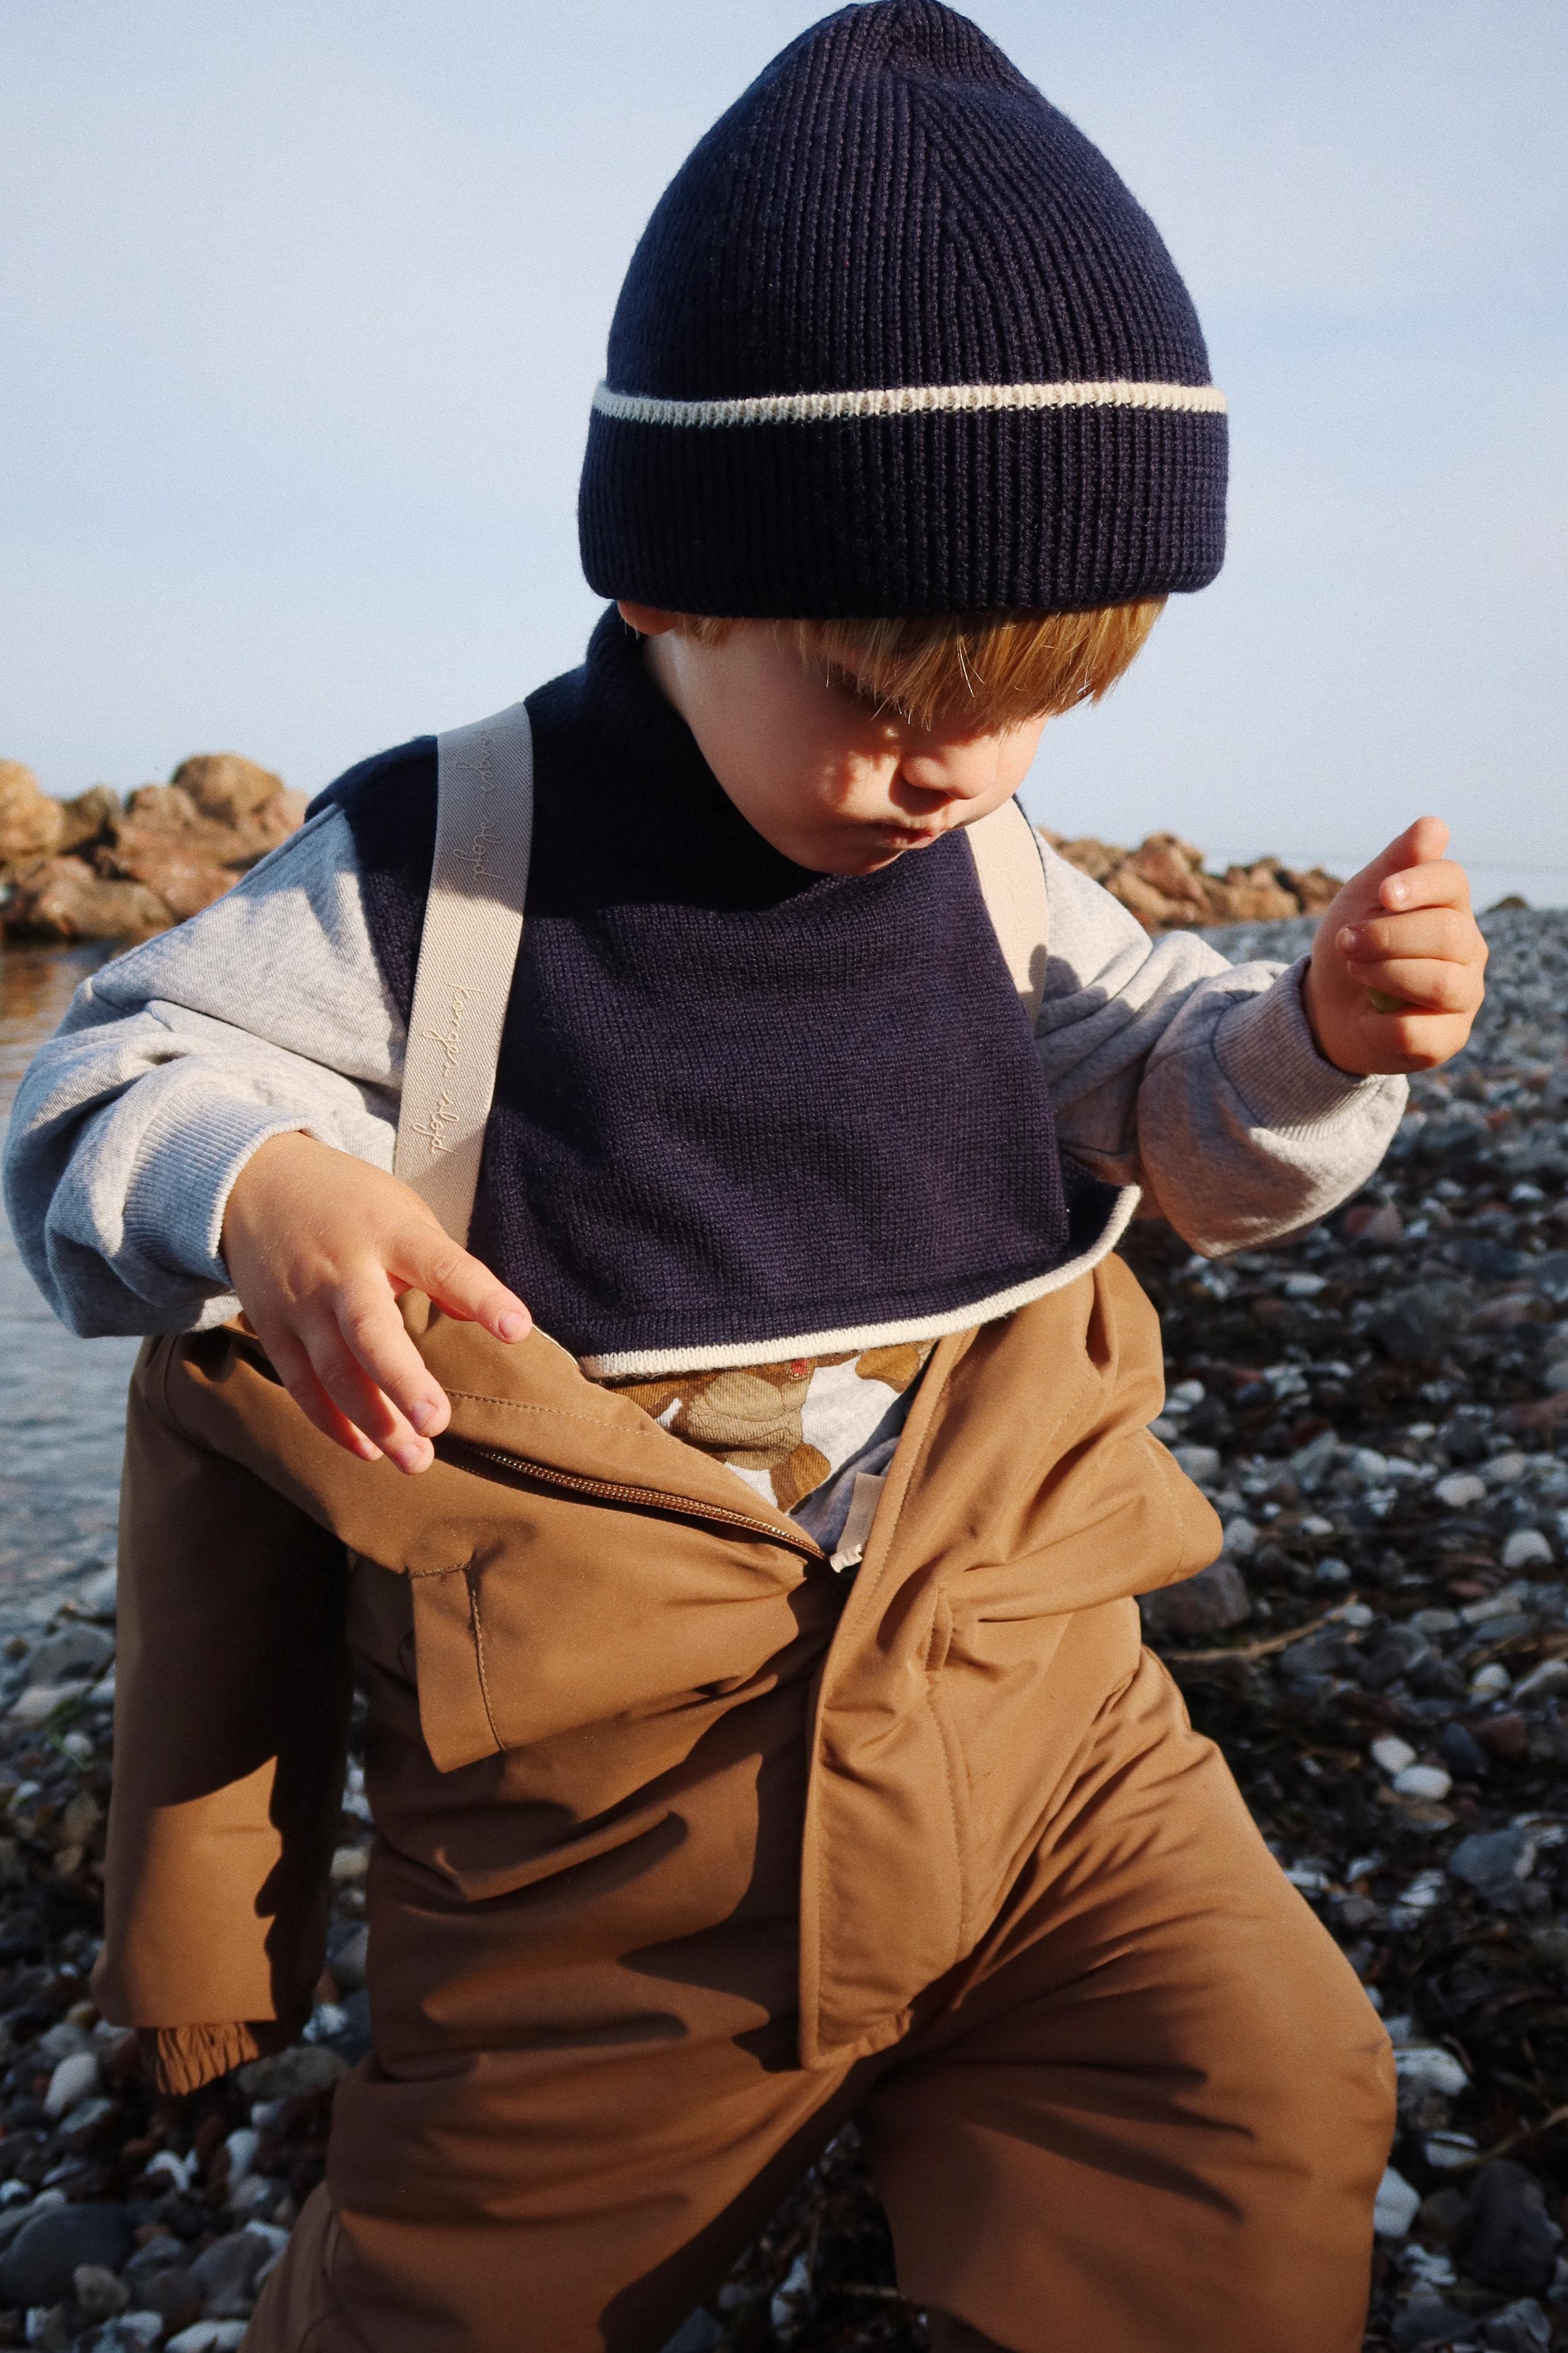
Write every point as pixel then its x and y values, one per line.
pixel 897 338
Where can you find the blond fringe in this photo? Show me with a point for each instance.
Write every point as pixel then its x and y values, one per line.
pixel 983 671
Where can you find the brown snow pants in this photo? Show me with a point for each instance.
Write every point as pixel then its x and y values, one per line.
pixel 686 1854
pixel 1148 2113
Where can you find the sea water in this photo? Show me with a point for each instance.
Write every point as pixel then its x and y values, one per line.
pixel 62 1400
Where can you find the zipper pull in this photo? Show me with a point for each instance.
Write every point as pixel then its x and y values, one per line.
pixel 863 1502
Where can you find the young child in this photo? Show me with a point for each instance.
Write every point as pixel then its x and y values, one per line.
pixel 692 1844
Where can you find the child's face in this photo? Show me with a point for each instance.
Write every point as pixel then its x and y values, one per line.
pixel 829 779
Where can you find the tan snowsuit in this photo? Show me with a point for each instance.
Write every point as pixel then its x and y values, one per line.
pixel 688 1849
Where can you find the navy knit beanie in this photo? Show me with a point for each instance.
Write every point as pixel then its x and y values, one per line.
pixel 898 340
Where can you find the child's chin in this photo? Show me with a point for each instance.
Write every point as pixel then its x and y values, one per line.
pixel 857 860
pixel 864 850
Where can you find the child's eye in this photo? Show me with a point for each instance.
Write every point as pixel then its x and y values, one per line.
pixel 865 698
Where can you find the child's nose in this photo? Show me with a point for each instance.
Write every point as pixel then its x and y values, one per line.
pixel 957 772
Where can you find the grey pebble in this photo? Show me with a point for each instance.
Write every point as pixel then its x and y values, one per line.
pixel 1428 2319
pixel 1463 1755
pixel 40 2266
pixel 287 2074
pixel 226 2270
pixel 1522 2327
pixel 71 1655
pixel 1508 2240
pixel 1209 1603
pixel 698 2335
pixel 1494 1862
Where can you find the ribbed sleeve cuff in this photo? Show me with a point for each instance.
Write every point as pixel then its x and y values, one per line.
pixel 1266 1047
pixel 185 1171
pixel 181 2059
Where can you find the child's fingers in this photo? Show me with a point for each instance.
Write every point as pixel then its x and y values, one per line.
pixel 1443 931
pixel 290 1361
pixel 369 1322
pixel 1435 882
pixel 1424 983
pixel 359 1399
pixel 1426 839
pixel 429 1260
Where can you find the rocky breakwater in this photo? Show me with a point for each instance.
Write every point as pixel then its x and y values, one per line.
pixel 1166 884
pixel 96 867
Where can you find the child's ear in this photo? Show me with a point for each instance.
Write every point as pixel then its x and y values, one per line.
pixel 647 621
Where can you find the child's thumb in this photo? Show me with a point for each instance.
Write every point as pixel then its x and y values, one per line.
pixel 462 1285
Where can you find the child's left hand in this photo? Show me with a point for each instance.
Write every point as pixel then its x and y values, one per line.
pixel 1401 928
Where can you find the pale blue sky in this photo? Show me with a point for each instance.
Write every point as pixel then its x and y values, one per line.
pixel 301 306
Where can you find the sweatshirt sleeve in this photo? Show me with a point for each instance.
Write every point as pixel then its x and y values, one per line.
pixel 264 1013
pixel 1198 1079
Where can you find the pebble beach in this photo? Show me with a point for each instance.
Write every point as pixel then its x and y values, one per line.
pixel 1379 1412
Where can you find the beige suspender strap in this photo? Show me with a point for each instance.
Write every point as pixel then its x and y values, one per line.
pixel 467 954
pixel 1006 853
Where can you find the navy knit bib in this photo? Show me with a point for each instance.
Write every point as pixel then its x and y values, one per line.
pixel 741 1109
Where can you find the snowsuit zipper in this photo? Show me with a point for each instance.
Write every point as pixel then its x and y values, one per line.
pixel 614 1490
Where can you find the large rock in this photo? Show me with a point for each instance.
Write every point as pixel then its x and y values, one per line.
pixel 225 785
pixel 1313 887
pixel 30 823
pixel 254 808
pixel 90 818
pixel 63 898
pixel 1174 869
pixel 89 869
pixel 1252 894
pixel 188 840
pixel 174 863
pixel 1166 884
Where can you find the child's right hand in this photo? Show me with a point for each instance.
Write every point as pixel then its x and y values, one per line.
pixel 319 1247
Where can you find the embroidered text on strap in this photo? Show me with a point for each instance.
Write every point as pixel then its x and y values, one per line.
pixel 467 952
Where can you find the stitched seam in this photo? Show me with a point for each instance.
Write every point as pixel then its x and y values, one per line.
pixel 480 1653
pixel 948 1745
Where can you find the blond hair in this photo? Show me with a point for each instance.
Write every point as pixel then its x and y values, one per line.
pixel 988 671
